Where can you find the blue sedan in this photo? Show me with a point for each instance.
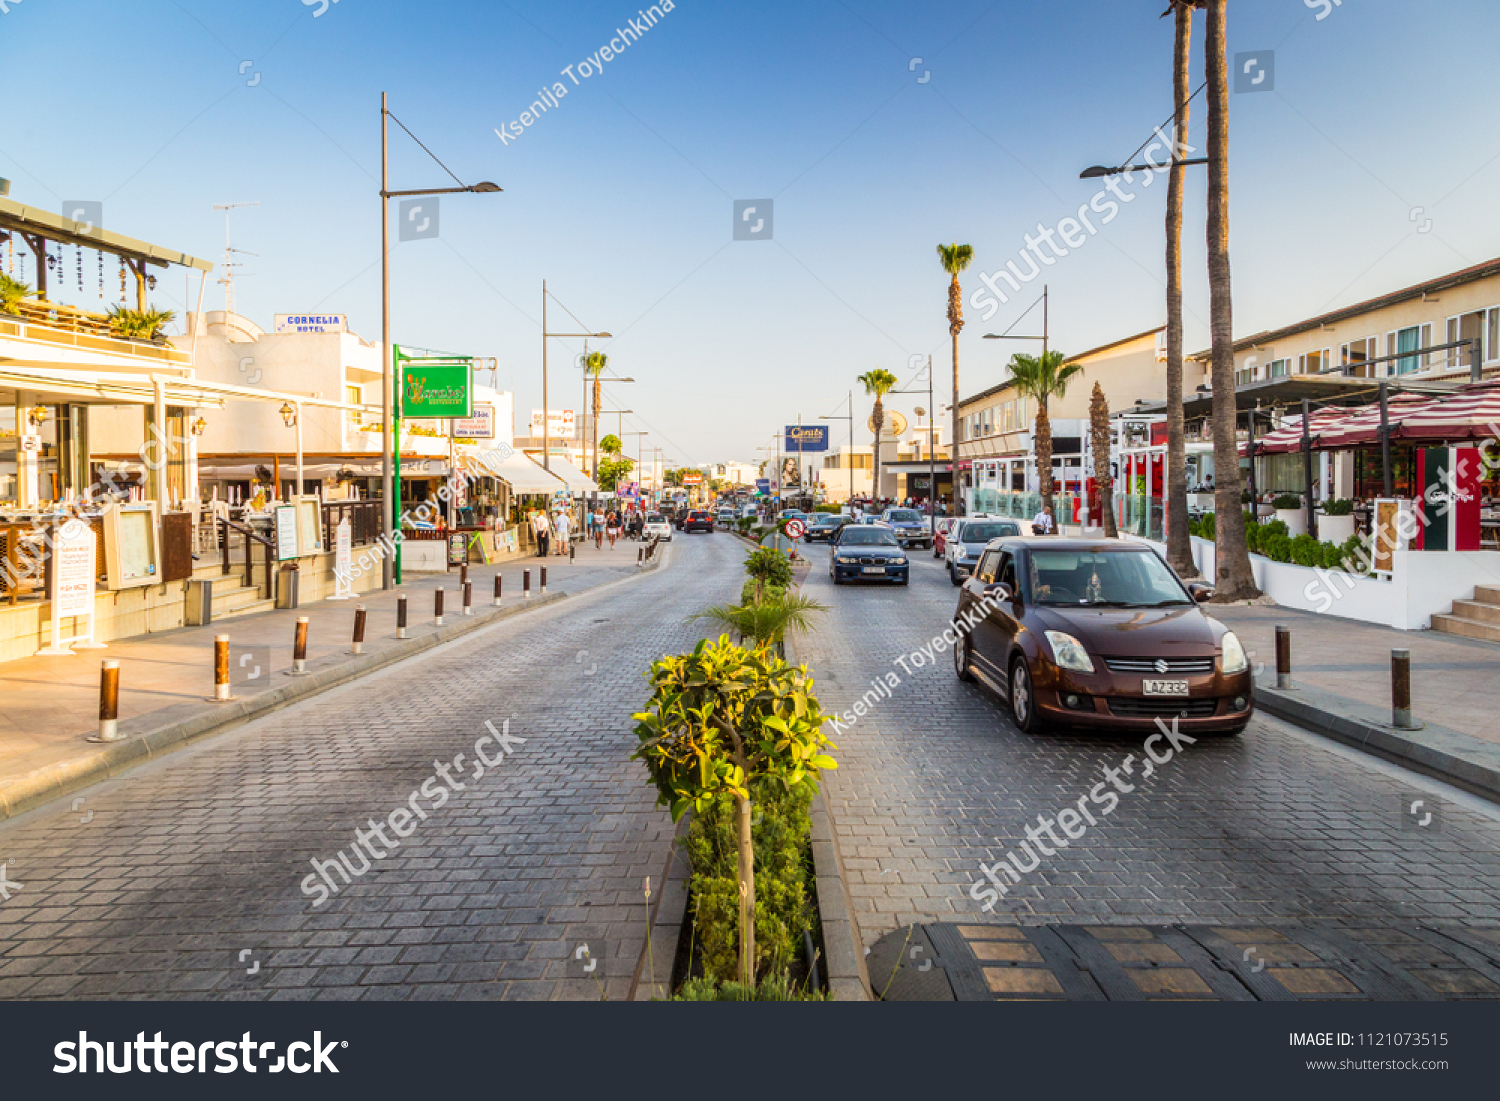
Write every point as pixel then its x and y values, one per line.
pixel 868 554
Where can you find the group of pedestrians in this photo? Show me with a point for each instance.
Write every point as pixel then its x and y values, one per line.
pixel 554 530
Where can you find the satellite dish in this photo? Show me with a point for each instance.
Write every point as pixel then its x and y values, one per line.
pixel 895 424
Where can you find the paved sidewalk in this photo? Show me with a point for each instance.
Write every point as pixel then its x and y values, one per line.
pixel 49 706
pixel 1454 681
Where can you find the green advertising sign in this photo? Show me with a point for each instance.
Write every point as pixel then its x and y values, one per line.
pixel 441 390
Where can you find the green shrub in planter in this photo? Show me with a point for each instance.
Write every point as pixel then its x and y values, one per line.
pixel 1287 501
pixel 769 567
pixel 11 293
pixel 1277 546
pixel 832 510
pixel 773 988
pixel 783 895
pixel 723 721
pixel 1204 528
pixel 1306 551
pixel 1340 507
pixel 1277 527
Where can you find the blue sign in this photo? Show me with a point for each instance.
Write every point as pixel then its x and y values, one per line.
pixel 763 485
pixel 807 437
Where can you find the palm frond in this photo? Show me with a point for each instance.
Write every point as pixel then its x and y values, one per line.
pixel 955 258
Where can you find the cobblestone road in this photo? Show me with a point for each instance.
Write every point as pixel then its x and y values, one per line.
pixel 1276 825
pixel 181 880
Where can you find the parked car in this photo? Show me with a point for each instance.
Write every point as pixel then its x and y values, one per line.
pixel 911 527
pixel 968 538
pixel 1098 633
pixel 862 553
pixel 698 519
pixel 658 526
pixel 824 528
pixel 940 533
pixel 726 518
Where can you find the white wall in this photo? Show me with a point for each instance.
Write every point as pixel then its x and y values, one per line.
pixel 1422 584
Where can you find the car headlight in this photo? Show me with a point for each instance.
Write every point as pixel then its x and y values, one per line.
pixel 898 561
pixel 844 560
pixel 1233 659
pixel 1069 653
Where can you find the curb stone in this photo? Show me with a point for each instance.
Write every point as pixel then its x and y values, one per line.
pixel 148 738
pixel 667 919
pixel 1437 751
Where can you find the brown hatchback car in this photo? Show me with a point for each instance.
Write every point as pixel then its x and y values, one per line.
pixel 1098 633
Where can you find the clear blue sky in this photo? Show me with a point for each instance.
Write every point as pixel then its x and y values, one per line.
pixel 622 196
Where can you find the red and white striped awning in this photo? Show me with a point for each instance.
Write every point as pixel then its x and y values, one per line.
pixel 1362 426
pixel 1289 436
pixel 1471 413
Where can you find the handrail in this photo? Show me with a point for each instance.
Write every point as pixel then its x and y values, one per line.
pixel 226 526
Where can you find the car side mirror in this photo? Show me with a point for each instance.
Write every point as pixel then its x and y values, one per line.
pixel 1201 591
pixel 1001 590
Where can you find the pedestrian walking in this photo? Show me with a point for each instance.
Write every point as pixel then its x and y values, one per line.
pixel 542 527
pixel 564 528
pixel 1042 523
pixel 612 527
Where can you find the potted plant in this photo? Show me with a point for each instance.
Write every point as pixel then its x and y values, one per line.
pixel 1336 525
pixel 139 324
pixel 11 293
pixel 1289 510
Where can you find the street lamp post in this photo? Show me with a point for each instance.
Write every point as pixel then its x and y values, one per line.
pixel 392 508
pixel 850 456
pixel 1007 335
pixel 931 450
pixel 546 418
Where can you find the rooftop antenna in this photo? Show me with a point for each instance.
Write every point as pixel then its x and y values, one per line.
pixel 230 264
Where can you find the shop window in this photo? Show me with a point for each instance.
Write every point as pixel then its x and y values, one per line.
pixel 1354 356
pixel 1278 368
pixel 1314 363
pixel 1402 341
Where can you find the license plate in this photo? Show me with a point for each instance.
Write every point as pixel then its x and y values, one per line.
pixel 874 569
pixel 1165 687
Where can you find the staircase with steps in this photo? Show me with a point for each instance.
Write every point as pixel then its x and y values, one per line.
pixel 231 596
pixel 1476 618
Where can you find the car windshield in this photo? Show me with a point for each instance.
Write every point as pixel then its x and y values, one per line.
pixel 1123 579
pixel 905 516
pixel 867 537
pixel 983 533
pixel 655 519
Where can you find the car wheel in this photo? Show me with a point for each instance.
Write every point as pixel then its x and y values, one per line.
pixel 953 576
pixel 837 580
pixel 962 659
pixel 1023 698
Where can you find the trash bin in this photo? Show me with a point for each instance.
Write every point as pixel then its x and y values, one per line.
pixel 286 586
pixel 199 611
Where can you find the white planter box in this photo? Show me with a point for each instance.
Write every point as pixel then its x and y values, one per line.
pixel 1295 520
pixel 1335 529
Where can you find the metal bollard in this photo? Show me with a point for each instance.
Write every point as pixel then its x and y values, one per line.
pixel 572 551
pixel 359 630
pixel 1283 657
pixel 401 616
pixel 1401 690
pixel 437 606
pixel 221 670
pixel 544 580
pixel 640 556
pixel 468 598
pixel 299 649
pixel 526 584
pixel 109 702
pixel 463 574
pixel 499 582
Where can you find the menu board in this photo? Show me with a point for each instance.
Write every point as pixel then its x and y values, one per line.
pixel 309 524
pixel 286 532
pixel 73 569
pixel 137 545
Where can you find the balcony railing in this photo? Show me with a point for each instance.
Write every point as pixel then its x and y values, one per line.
pixel 55 323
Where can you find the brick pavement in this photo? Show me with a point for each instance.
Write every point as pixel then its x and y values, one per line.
pixel 184 863
pixel 1274 825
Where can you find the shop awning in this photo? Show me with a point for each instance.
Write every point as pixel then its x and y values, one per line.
pixel 1288 438
pixel 522 474
pixel 1473 412
pixel 577 481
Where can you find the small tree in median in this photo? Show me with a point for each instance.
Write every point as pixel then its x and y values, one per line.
pixel 720 720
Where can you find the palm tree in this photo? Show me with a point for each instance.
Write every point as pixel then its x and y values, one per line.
pixel 1231 554
pixel 1103 473
pixel 594 364
pixel 955 258
pixel 1042 378
pixel 1179 546
pixel 879 383
pixel 766 621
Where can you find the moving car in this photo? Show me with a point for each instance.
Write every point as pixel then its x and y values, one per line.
pixel 863 553
pixel 940 533
pixel 698 519
pixel 1098 633
pixel 911 527
pixel 968 538
pixel 824 528
pixel 658 526
pixel 727 518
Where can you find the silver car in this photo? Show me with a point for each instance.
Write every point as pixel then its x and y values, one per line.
pixel 966 540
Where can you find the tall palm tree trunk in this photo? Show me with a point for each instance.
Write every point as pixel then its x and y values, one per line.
pixel 598 401
pixel 1235 581
pixel 1044 452
pixel 1179 545
pixel 955 324
pixel 879 418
